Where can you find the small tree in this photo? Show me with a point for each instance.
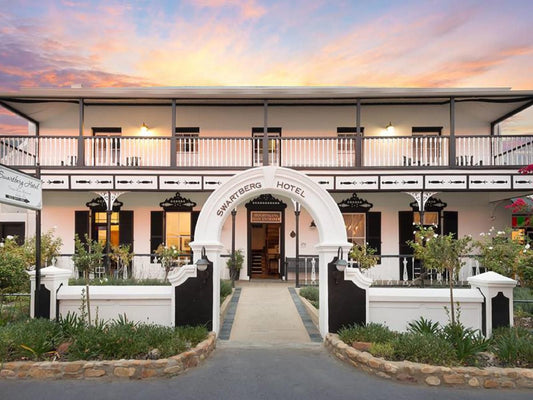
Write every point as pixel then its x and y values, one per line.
pixel 122 256
pixel 364 256
pixel 13 276
pixel 87 258
pixel 441 253
pixel 50 248
pixel 168 257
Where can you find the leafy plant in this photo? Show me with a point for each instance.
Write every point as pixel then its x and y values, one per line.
pixel 122 256
pixel 50 248
pixel 465 341
pixel 385 350
pixel 311 293
pixel 372 332
pixel 423 326
pixel 225 289
pixel 441 253
pixel 364 256
pixel 86 259
pixel 424 348
pixel 108 281
pixel 235 263
pixel 168 257
pixel 514 346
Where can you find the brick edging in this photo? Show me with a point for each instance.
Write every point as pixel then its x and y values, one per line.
pixel 430 375
pixel 130 369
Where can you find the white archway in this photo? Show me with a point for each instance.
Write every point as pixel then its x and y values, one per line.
pixel 273 180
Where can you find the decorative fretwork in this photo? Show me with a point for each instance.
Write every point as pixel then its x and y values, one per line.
pixel 266 202
pixel 177 203
pixel 100 203
pixel 354 205
pixel 432 204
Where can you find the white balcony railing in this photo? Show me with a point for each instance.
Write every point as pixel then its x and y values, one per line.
pixel 245 152
pixel 405 151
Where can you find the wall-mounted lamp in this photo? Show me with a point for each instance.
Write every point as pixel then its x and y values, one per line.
pixel 312 225
pixel 144 128
pixel 202 263
pixel 390 129
pixel 340 263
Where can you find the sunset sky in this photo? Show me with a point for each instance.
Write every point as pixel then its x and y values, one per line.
pixel 405 43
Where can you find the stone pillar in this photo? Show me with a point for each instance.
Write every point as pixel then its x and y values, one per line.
pixel 498 305
pixel 52 278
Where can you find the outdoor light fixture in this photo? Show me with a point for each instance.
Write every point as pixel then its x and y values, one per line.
pixel 340 263
pixel 389 128
pixel 312 224
pixel 144 128
pixel 202 263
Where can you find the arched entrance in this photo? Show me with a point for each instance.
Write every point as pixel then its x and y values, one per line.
pixel 273 180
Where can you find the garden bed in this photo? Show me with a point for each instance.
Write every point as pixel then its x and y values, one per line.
pixel 71 348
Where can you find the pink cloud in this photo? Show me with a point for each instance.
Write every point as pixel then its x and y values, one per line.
pixel 249 9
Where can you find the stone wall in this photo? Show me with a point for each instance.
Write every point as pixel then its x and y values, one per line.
pixel 119 369
pixel 431 375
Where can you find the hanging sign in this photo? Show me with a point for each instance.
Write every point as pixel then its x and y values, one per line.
pixel 19 189
pixel 265 217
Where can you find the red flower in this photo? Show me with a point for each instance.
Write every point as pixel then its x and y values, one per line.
pixel 528 169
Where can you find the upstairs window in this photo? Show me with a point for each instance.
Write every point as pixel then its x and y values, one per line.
pixel 187 139
pixel 426 145
pixel 106 145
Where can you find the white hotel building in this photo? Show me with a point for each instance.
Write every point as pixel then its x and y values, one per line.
pixel 380 153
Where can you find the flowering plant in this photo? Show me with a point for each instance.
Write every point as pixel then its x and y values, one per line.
pixel 167 256
pixel 499 252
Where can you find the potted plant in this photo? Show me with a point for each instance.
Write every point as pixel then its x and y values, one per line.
pixel 234 264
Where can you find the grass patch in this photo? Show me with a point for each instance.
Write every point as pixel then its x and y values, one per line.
pixel 38 339
pixel 311 293
pixel 372 332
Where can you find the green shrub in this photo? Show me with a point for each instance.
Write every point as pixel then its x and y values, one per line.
pixel 311 293
pixel 34 339
pixel 372 332
pixel 514 346
pixel 424 348
pixel 13 276
pixel 523 293
pixel 14 309
pixel 465 341
pixel 385 350
pixel 225 289
pixel 107 281
pixel 423 326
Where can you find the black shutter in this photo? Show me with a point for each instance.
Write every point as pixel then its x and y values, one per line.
pixel 156 230
pixel 194 220
pixel 81 224
pixel 451 223
pixel 125 228
pixel 406 228
pixel 373 230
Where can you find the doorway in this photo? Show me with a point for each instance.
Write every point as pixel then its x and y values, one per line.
pixel 265 250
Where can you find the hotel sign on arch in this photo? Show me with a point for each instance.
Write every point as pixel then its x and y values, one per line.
pixel 20 189
pixel 229 202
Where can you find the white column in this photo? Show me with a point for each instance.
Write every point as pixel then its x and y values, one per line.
pixel 52 278
pixel 490 284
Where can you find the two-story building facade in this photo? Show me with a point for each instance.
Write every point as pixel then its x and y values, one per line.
pixel 383 154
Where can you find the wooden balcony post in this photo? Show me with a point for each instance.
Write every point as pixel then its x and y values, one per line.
pixel 265 134
pixel 81 146
pixel 173 138
pixel 451 144
pixel 359 136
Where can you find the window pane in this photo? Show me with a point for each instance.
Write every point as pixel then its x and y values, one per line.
pixel 178 230
pixel 355 227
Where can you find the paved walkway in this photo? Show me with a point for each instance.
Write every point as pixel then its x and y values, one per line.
pixel 266 313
